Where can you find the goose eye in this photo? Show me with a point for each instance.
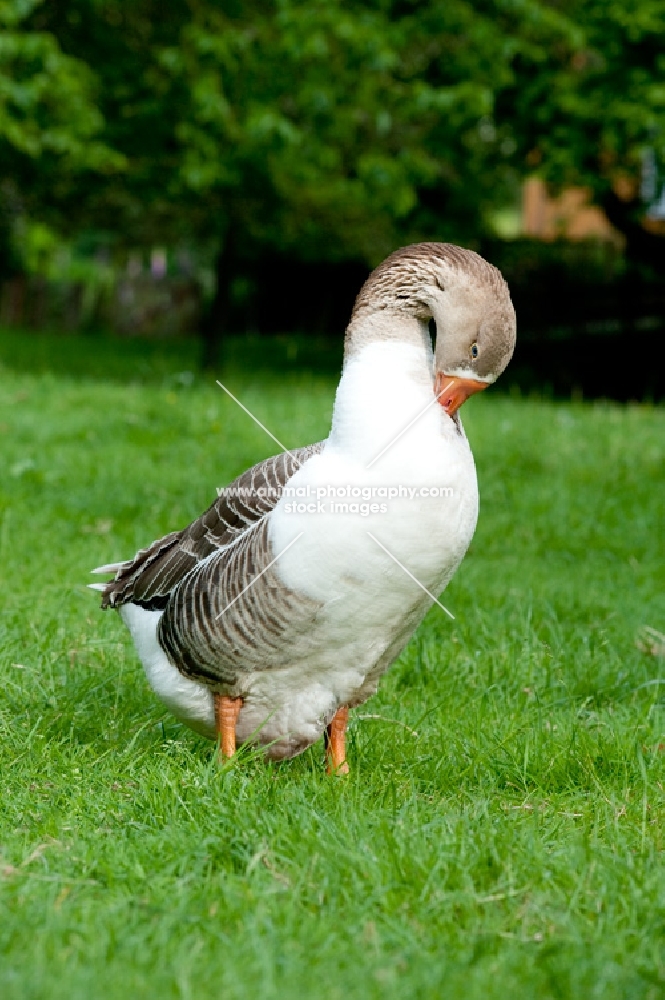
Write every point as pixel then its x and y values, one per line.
pixel 474 350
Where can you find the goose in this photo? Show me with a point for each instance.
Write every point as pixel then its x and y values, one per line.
pixel 280 607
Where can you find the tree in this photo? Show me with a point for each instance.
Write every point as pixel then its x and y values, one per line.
pixel 587 105
pixel 320 128
pixel 328 130
pixel 50 124
pixel 324 129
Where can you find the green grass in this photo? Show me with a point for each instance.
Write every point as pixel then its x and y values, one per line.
pixel 501 832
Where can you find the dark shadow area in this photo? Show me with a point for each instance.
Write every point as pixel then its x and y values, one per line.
pixel 622 367
pixel 589 326
pixel 141 360
pixel 612 366
pixel 276 293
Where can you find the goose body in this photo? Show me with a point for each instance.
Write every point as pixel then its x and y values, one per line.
pixel 291 602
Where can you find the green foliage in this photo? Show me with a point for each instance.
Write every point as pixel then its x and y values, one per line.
pixel 501 831
pixel 47 101
pixel 332 118
pixel 589 96
pixel 50 127
pixel 328 130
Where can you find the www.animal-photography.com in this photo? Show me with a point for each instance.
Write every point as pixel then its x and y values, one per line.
pixel 332 627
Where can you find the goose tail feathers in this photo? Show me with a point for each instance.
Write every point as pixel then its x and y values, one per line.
pixel 108 568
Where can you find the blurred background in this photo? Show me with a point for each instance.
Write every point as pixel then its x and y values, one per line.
pixel 217 178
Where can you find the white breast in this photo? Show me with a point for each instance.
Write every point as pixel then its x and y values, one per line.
pixel 384 401
pixel 367 599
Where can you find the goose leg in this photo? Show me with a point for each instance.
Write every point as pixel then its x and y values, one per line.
pixel 226 716
pixel 335 740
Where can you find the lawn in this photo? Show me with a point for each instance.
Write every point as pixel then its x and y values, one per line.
pixel 501 832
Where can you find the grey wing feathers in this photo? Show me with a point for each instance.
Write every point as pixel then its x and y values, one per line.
pixel 151 576
pixel 233 615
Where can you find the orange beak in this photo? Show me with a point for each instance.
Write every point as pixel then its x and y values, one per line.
pixel 452 391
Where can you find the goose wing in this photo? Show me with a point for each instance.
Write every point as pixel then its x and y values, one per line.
pixel 232 615
pixel 152 575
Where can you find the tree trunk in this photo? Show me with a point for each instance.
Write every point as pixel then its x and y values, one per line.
pixel 215 321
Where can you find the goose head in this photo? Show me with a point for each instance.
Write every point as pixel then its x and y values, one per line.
pixel 467 298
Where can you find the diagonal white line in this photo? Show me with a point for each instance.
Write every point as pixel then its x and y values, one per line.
pixel 257 421
pixel 388 553
pixel 405 429
pixel 259 575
